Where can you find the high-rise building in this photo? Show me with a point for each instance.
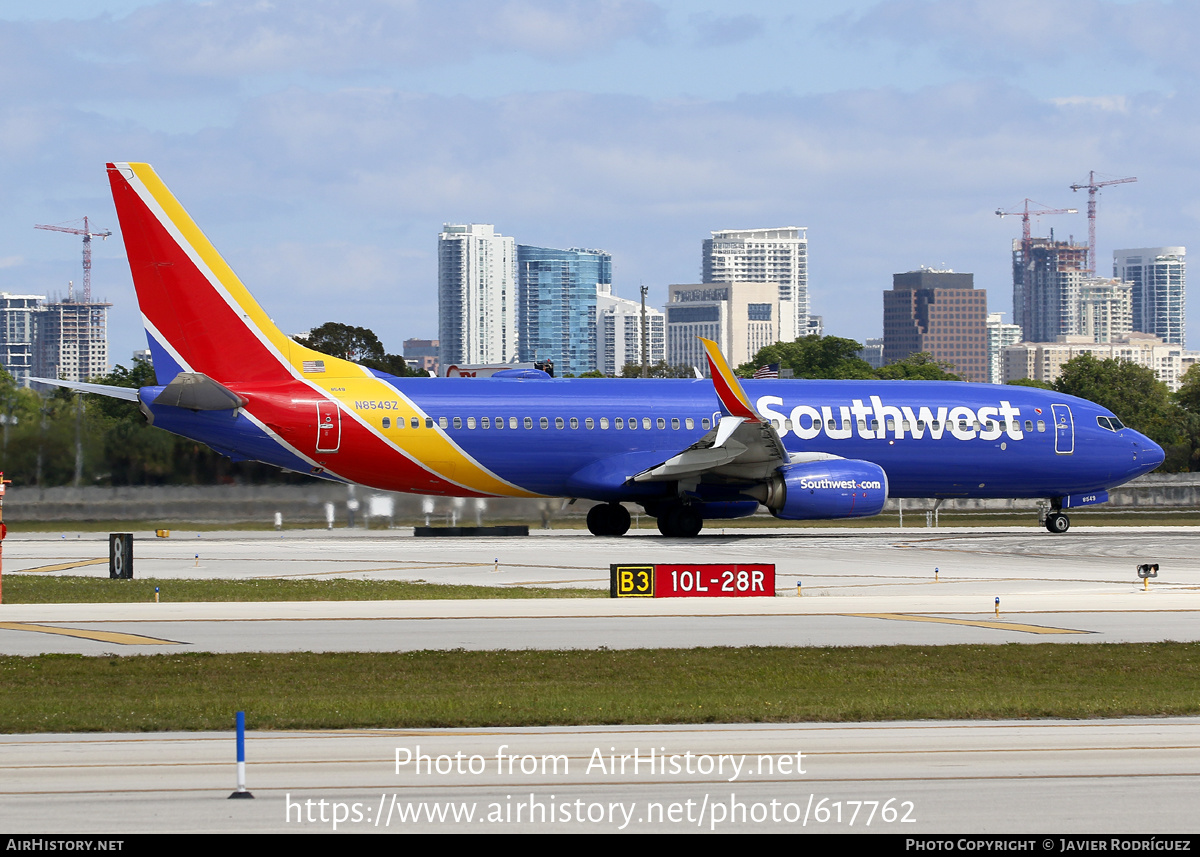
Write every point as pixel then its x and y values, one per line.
pixel 477 295
pixel 70 340
pixel 619 333
pixel 16 334
pixel 740 317
pixel 999 335
pixel 421 355
pixel 940 313
pixel 1157 275
pixel 1105 309
pixel 1046 280
pixel 777 255
pixel 556 305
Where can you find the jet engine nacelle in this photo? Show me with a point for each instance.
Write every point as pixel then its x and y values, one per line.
pixel 836 488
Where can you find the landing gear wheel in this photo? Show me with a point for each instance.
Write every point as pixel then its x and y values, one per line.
pixel 682 522
pixel 1058 522
pixel 608 519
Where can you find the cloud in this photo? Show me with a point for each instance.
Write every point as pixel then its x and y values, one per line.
pixel 334 37
pixel 719 31
pixel 986 36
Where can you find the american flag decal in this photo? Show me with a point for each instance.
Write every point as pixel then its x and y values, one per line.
pixel 314 365
pixel 771 370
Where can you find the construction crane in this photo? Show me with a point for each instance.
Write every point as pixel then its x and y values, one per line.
pixel 1026 214
pixel 88 235
pixel 1093 186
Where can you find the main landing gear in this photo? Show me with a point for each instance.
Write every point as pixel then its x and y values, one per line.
pixel 608 519
pixel 1057 522
pixel 680 521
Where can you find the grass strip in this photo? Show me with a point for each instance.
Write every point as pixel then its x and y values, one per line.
pixel 71 693
pixel 70 589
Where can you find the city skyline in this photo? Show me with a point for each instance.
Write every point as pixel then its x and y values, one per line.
pixel 321 152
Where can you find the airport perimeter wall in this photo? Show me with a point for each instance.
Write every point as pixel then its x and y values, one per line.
pixel 306 504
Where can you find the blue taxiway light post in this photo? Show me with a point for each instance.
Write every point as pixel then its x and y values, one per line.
pixel 241 791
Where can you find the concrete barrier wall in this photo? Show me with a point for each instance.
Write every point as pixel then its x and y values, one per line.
pixel 306 503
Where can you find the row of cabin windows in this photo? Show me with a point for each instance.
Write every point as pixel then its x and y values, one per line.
pixel 559 422
pixel 905 425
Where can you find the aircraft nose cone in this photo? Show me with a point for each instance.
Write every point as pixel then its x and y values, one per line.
pixel 1149 454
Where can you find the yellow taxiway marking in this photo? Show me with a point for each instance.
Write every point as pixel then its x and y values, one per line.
pixel 98 636
pixel 63 566
pixel 977 623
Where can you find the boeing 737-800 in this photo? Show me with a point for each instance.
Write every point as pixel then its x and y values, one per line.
pixel 684 450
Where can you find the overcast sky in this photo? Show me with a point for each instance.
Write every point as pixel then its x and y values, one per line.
pixel 321 144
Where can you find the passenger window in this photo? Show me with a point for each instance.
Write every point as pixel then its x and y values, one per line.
pixel 619 423
pixel 646 423
pixel 633 423
pixel 544 422
pixel 558 423
pixel 704 423
pixel 1028 425
pixel 604 423
pixel 387 422
pixel 662 423
pixel 574 422
pixel 874 425
pixel 470 422
pixel 485 422
pixel 529 422
pixel 458 422
pixel 590 423
pixel 691 423
pixel 1041 425
pixel 429 422
pixel 443 422
pixel 512 422
pixel 675 423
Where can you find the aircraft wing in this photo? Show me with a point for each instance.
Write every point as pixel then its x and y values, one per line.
pixel 128 393
pixel 742 445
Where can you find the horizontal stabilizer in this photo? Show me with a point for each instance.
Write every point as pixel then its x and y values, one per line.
pixel 198 392
pixel 130 394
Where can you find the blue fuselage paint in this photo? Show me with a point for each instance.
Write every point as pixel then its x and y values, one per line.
pixel 933 439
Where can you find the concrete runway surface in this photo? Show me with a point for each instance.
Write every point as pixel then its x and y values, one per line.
pixel 871 587
pixel 860 586
pixel 1042 777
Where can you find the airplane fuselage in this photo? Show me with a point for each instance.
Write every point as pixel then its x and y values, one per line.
pixel 546 437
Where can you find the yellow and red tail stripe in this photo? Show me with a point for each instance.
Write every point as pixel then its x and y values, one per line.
pixel 729 390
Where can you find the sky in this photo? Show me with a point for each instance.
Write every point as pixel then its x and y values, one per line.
pixel 321 144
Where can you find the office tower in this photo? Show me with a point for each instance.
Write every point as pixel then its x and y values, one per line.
pixel 619 333
pixel 421 355
pixel 777 255
pixel 941 313
pixel 999 335
pixel 740 317
pixel 556 305
pixel 1158 277
pixel 872 352
pixel 16 334
pixel 70 340
pixel 1046 279
pixel 1105 309
pixel 477 295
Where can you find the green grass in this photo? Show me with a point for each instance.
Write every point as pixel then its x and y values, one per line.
pixel 68 589
pixel 71 693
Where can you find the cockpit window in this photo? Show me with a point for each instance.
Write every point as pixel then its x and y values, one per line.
pixel 1110 423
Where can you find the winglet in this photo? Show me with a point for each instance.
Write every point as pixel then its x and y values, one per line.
pixel 729 391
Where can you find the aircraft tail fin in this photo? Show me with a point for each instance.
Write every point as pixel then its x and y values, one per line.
pixel 734 401
pixel 198 316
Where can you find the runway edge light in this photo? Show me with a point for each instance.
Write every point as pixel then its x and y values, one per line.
pixel 241 792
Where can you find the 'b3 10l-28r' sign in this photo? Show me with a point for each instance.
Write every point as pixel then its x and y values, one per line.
pixel 691 581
